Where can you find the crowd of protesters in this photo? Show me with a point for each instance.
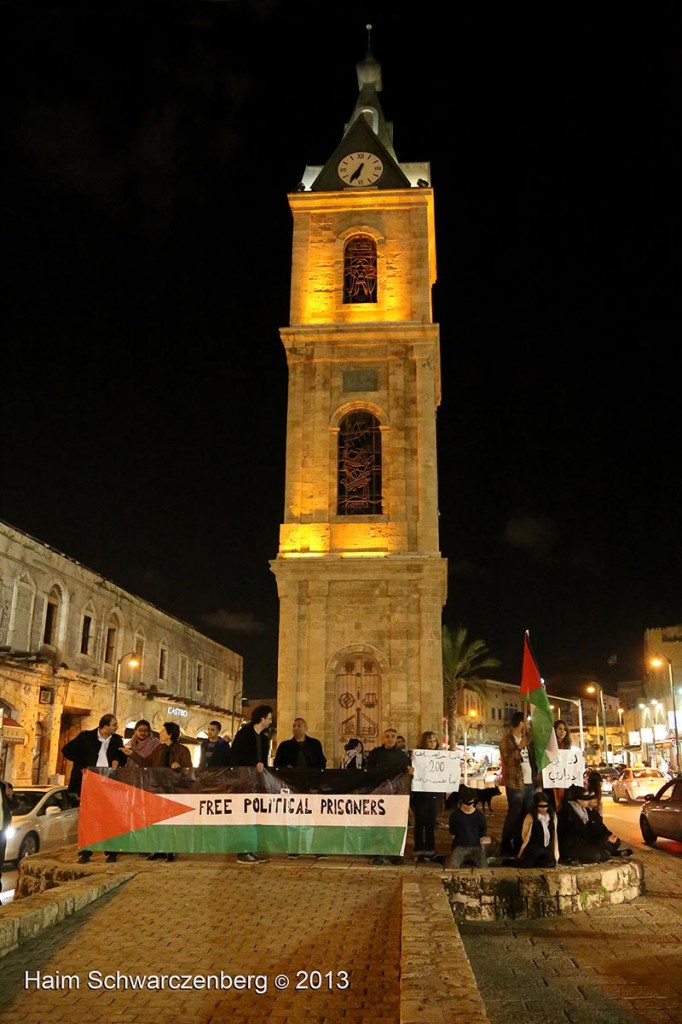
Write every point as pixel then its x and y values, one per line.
pixel 540 829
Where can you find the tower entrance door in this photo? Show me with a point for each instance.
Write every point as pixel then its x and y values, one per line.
pixel 358 701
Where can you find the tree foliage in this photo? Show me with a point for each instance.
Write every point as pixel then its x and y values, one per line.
pixel 463 660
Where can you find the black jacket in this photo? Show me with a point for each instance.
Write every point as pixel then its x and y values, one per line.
pixel 220 756
pixel 287 753
pixel 246 749
pixel 83 750
pixel 388 759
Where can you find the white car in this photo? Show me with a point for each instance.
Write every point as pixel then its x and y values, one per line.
pixel 634 784
pixel 43 818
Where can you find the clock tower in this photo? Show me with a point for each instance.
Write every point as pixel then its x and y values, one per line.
pixel 360 577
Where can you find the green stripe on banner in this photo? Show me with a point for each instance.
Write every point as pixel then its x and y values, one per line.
pixel 258 838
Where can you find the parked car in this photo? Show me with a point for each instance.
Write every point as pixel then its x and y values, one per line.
pixel 634 784
pixel 43 818
pixel 661 815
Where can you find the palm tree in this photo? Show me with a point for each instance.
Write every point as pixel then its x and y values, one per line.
pixel 462 660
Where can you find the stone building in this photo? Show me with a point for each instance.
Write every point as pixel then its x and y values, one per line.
pixel 360 576
pixel 66 634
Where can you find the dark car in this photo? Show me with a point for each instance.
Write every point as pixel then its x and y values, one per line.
pixel 661 815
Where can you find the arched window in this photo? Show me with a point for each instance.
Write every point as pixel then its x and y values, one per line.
pixel 359 465
pixel 360 269
pixel 54 600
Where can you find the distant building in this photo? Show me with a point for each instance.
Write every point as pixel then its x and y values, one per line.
pixel 65 634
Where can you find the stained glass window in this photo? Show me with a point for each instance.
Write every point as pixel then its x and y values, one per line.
pixel 359 465
pixel 360 269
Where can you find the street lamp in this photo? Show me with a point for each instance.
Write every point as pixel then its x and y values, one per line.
pixel 621 712
pixel 657 662
pixel 473 713
pixel 236 696
pixel 592 688
pixel 133 661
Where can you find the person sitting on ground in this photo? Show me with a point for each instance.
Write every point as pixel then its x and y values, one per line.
pixel 539 836
pixel 468 829
pixel 577 841
pixel 354 755
pixel 600 831
pixel 594 784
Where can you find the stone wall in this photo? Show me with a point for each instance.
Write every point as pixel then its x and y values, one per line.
pixel 495 893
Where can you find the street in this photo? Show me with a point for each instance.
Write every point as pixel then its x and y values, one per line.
pixel 623 820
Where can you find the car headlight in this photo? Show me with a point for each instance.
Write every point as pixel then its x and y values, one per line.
pixel 9 832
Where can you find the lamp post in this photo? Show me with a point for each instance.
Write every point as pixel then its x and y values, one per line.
pixel 591 689
pixel 133 661
pixel 472 713
pixel 657 662
pixel 621 712
pixel 236 696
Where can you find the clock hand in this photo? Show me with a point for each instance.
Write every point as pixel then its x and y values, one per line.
pixel 357 172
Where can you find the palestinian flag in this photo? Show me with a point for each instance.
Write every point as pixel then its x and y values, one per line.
pixel 542 719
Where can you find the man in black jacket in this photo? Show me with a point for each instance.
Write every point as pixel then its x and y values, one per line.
pixel 94 748
pixel 215 751
pixel 389 758
pixel 301 751
pixel 250 749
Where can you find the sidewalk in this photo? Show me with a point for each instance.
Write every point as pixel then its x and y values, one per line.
pixel 390 928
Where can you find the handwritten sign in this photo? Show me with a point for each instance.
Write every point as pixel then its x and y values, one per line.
pixel 436 771
pixel 567 769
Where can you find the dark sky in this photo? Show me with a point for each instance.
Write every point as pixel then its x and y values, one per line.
pixel 149 149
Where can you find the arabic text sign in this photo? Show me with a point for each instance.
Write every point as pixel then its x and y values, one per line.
pixel 567 769
pixel 436 771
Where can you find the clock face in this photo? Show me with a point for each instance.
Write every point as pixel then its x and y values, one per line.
pixel 359 169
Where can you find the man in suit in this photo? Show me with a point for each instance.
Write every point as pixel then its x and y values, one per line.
pixel 301 751
pixel 94 748
pixel 215 751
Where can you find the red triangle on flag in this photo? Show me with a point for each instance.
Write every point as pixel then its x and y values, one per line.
pixel 530 676
pixel 111 808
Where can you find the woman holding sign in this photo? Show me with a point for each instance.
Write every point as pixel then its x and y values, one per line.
pixel 425 808
pixel 563 739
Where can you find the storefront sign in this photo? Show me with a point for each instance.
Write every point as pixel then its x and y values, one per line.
pixel 178 712
pixel 12 732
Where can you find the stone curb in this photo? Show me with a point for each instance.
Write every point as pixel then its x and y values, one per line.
pixel 26 918
pixel 437 982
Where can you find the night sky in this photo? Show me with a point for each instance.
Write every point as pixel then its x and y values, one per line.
pixel 149 149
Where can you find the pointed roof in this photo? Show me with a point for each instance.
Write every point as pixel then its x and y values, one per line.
pixel 366 131
pixel 368 105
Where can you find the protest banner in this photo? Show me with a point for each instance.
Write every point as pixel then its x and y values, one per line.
pixel 140 810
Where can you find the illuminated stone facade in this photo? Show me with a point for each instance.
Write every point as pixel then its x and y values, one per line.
pixel 63 631
pixel 361 596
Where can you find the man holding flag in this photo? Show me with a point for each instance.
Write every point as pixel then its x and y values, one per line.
pixel 533 691
pixel 520 762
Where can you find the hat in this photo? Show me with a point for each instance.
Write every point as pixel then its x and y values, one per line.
pixel 578 793
pixel 467 799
